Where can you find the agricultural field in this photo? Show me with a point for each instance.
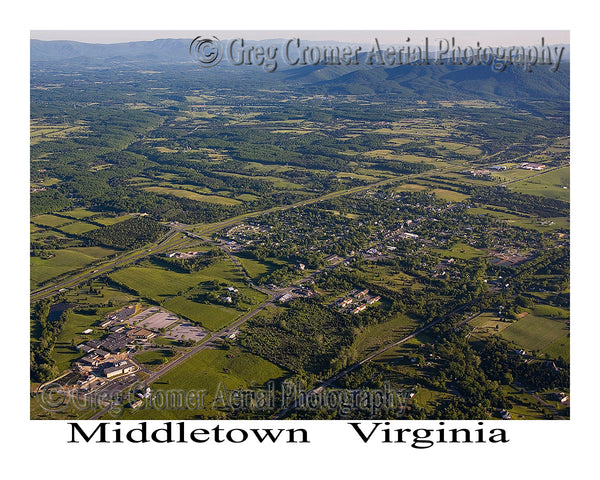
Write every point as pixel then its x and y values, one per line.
pixel 554 184
pixel 49 220
pixel 219 200
pixel 487 324
pixel 77 228
pixel 212 317
pixel 63 261
pixel 534 333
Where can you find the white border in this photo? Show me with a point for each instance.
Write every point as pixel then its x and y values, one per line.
pixel 537 448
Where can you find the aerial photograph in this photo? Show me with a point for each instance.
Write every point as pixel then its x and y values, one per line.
pixel 310 225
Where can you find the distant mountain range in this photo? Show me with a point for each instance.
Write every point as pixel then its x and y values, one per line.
pixel 414 81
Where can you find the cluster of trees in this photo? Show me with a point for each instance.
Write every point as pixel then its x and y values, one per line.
pixel 193 264
pixel 50 200
pixel 42 365
pixel 131 233
pixel 520 202
pixel 304 338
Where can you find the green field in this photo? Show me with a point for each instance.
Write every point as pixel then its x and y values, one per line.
pixel 559 348
pixel 112 220
pixel 49 220
pixel 79 213
pixel 105 295
pixel 64 353
pixel 64 261
pixel 460 250
pixel 256 269
pixel 77 228
pixel 534 333
pixel 450 195
pixel 276 181
pixel 213 317
pixel 159 283
pixel 373 337
pixel 153 358
pixel 194 196
pixel 487 324
pixel 553 184
pixel 210 370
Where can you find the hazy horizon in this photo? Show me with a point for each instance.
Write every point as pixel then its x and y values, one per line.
pixel 485 37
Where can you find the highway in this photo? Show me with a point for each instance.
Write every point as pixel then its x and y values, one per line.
pixel 125 259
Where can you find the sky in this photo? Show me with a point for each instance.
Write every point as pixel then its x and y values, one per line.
pixel 390 37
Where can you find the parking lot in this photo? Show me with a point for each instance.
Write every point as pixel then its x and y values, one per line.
pixel 186 331
pixel 142 315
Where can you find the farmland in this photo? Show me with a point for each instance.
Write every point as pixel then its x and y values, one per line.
pixel 534 332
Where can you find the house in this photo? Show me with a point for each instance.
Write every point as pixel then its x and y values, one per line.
pixel 373 300
pixel 106 323
pixel 344 303
pixel 498 167
pixel 233 290
pixel 359 309
pixel 533 166
pixel 87 331
pixel 285 298
pixel 362 293
pixel 562 397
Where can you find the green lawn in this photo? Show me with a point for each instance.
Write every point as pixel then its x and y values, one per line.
pixel 153 357
pixel 460 250
pixel 63 352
